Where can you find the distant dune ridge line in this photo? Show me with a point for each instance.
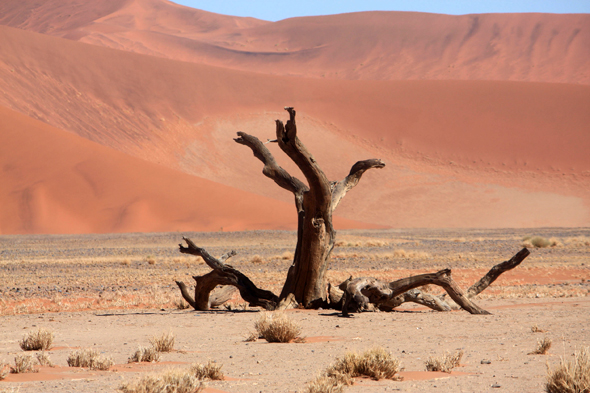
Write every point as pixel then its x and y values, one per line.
pixel 500 140
pixel 369 45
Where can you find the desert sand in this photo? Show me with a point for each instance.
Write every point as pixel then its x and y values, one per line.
pixel 116 127
pixel 115 292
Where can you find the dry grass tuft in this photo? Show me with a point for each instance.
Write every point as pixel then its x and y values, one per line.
pixel 38 340
pixel 570 377
pixel 536 329
pixel 542 346
pixel 256 259
pixel 23 364
pixel 445 364
pixel 163 343
pixel 144 354
pixel 171 381
pixel 325 384
pixel 89 358
pixel 539 242
pixel 43 359
pixel 150 260
pixel 375 363
pixel 276 327
pixel 181 304
pixel 211 371
pixel 4 370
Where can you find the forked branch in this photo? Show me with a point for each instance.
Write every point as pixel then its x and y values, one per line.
pixel 222 274
pixel 340 189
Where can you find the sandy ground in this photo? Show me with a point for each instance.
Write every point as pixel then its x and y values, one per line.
pixel 107 295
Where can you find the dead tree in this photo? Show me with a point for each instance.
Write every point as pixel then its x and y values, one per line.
pixel 306 282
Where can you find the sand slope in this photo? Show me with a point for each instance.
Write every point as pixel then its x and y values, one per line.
pixel 56 182
pixel 369 45
pixel 514 153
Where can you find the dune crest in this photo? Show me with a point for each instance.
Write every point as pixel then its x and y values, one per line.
pixel 369 45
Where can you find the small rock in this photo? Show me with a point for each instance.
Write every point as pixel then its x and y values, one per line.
pixel 496 385
pixel 486 361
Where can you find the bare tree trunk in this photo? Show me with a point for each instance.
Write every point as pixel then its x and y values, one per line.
pixel 315 204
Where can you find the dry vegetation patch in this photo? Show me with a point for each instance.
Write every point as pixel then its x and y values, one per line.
pixel 374 363
pixel 89 358
pixel 44 360
pixel 171 381
pixel 23 363
pixel 144 354
pixel 164 342
pixel 211 371
pixel 446 363
pixel 542 346
pixel 276 327
pixel 41 339
pixel 572 376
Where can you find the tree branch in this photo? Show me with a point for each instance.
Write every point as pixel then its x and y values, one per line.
pixel 495 272
pixel 271 169
pixel 340 189
pixel 222 274
pixel 292 146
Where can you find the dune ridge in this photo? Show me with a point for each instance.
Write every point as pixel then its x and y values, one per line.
pixel 368 45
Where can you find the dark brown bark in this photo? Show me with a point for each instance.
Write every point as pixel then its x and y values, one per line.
pixel 222 274
pixel 315 204
pixel 357 293
pixel 365 290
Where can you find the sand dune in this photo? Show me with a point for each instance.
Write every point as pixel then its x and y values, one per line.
pixel 369 45
pixel 56 182
pixel 460 153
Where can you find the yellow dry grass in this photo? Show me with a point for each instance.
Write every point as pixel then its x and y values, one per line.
pixel 89 358
pixel 163 342
pixel 144 354
pixel 208 371
pixel 170 381
pixel 23 363
pixel 572 376
pixel 446 363
pixel 543 346
pixel 276 327
pixel 41 339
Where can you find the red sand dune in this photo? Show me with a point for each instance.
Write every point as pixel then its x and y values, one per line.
pixel 369 45
pixel 459 153
pixel 56 182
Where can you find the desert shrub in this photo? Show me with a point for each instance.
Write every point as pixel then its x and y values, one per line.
pixel 23 364
pixel 536 329
pixel 144 354
pixel 150 260
pixel 325 384
pixel 211 371
pixel 542 346
pixel 89 358
pixel 276 327
pixel 570 377
pixel 43 359
pixel 181 304
pixel 539 242
pixel 4 370
pixel 171 381
pixel 446 363
pixel 164 342
pixel 375 363
pixel 41 339
pixel 256 259
pixel 376 243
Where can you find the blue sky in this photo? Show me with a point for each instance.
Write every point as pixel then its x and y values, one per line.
pixel 277 10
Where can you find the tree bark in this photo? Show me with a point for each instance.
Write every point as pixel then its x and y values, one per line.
pixel 315 203
pixel 222 274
